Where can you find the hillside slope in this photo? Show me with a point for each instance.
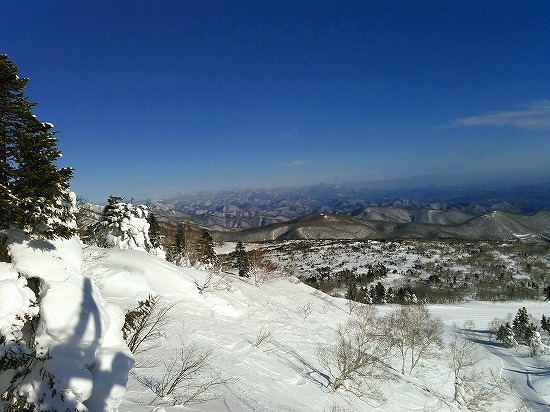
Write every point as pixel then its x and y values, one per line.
pixel 224 314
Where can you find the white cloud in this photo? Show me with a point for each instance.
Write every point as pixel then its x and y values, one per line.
pixel 297 162
pixel 533 116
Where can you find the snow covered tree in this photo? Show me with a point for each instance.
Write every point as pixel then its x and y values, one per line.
pixel 533 340
pixel 241 260
pixel 521 324
pixel 34 192
pixel 505 335
pixel 545 323
pixel 124 225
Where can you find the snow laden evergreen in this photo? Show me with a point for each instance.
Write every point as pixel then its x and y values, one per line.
pixel 34 192
pixel 523 331
pixel 125 226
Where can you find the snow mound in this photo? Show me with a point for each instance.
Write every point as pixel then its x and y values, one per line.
pixel 76 337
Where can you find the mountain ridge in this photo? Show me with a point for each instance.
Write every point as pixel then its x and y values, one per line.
pixel 497 225
pixel 245 209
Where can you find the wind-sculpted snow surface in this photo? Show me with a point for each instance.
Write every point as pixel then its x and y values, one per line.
pixel 82 362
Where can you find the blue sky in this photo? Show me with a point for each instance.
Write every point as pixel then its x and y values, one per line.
pixel 153 98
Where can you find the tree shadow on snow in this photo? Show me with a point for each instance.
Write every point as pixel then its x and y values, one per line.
pixel 483 337
pixel 43 244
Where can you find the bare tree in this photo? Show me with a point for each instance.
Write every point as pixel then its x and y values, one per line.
pixel 470 383
pixel 146 323
pixel 357 357
pixel 85 218
pixel 216 279
pixel 260 268
pixel 352 306
pixel 415 334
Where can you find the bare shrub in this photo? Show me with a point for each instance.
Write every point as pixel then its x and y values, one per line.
pixel 306 309
pixel 186 378
pixel 494 325
pixel 352 306
pixel 357 357
pixel 86 218
pixel 216 280
pixel 264 336
pixel 146 323
pixel 414 334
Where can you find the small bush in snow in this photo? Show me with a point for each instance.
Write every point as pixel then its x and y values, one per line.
pixel 186 378
pixel 146 323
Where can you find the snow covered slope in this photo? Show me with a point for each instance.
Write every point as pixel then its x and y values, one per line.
pixel 263 340
pixel 282 373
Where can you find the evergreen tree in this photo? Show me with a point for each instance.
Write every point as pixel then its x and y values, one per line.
pixel 545 323
pixel 154 230
pixel 352 293
pixel 205 248
pixel 124 225
pixel 521 324
pixel 533 340
pixel 33 191
pixel 379 293
pixel 179 241
pixel 505 334
pixel 111 211
pixel 241 260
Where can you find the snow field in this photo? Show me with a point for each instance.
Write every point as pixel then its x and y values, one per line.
pixel 263 339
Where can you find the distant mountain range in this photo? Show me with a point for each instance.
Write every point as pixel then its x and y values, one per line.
pixel 497 225
pixel 341 211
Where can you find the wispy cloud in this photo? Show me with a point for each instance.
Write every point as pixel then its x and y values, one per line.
pixel 296 162
pixel 533 116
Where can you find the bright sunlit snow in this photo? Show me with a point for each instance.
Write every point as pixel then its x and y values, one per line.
pixel 87 290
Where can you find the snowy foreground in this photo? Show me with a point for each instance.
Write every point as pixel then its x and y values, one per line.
pixel 86 292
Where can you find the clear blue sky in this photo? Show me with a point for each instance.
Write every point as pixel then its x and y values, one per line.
pixel 157 97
